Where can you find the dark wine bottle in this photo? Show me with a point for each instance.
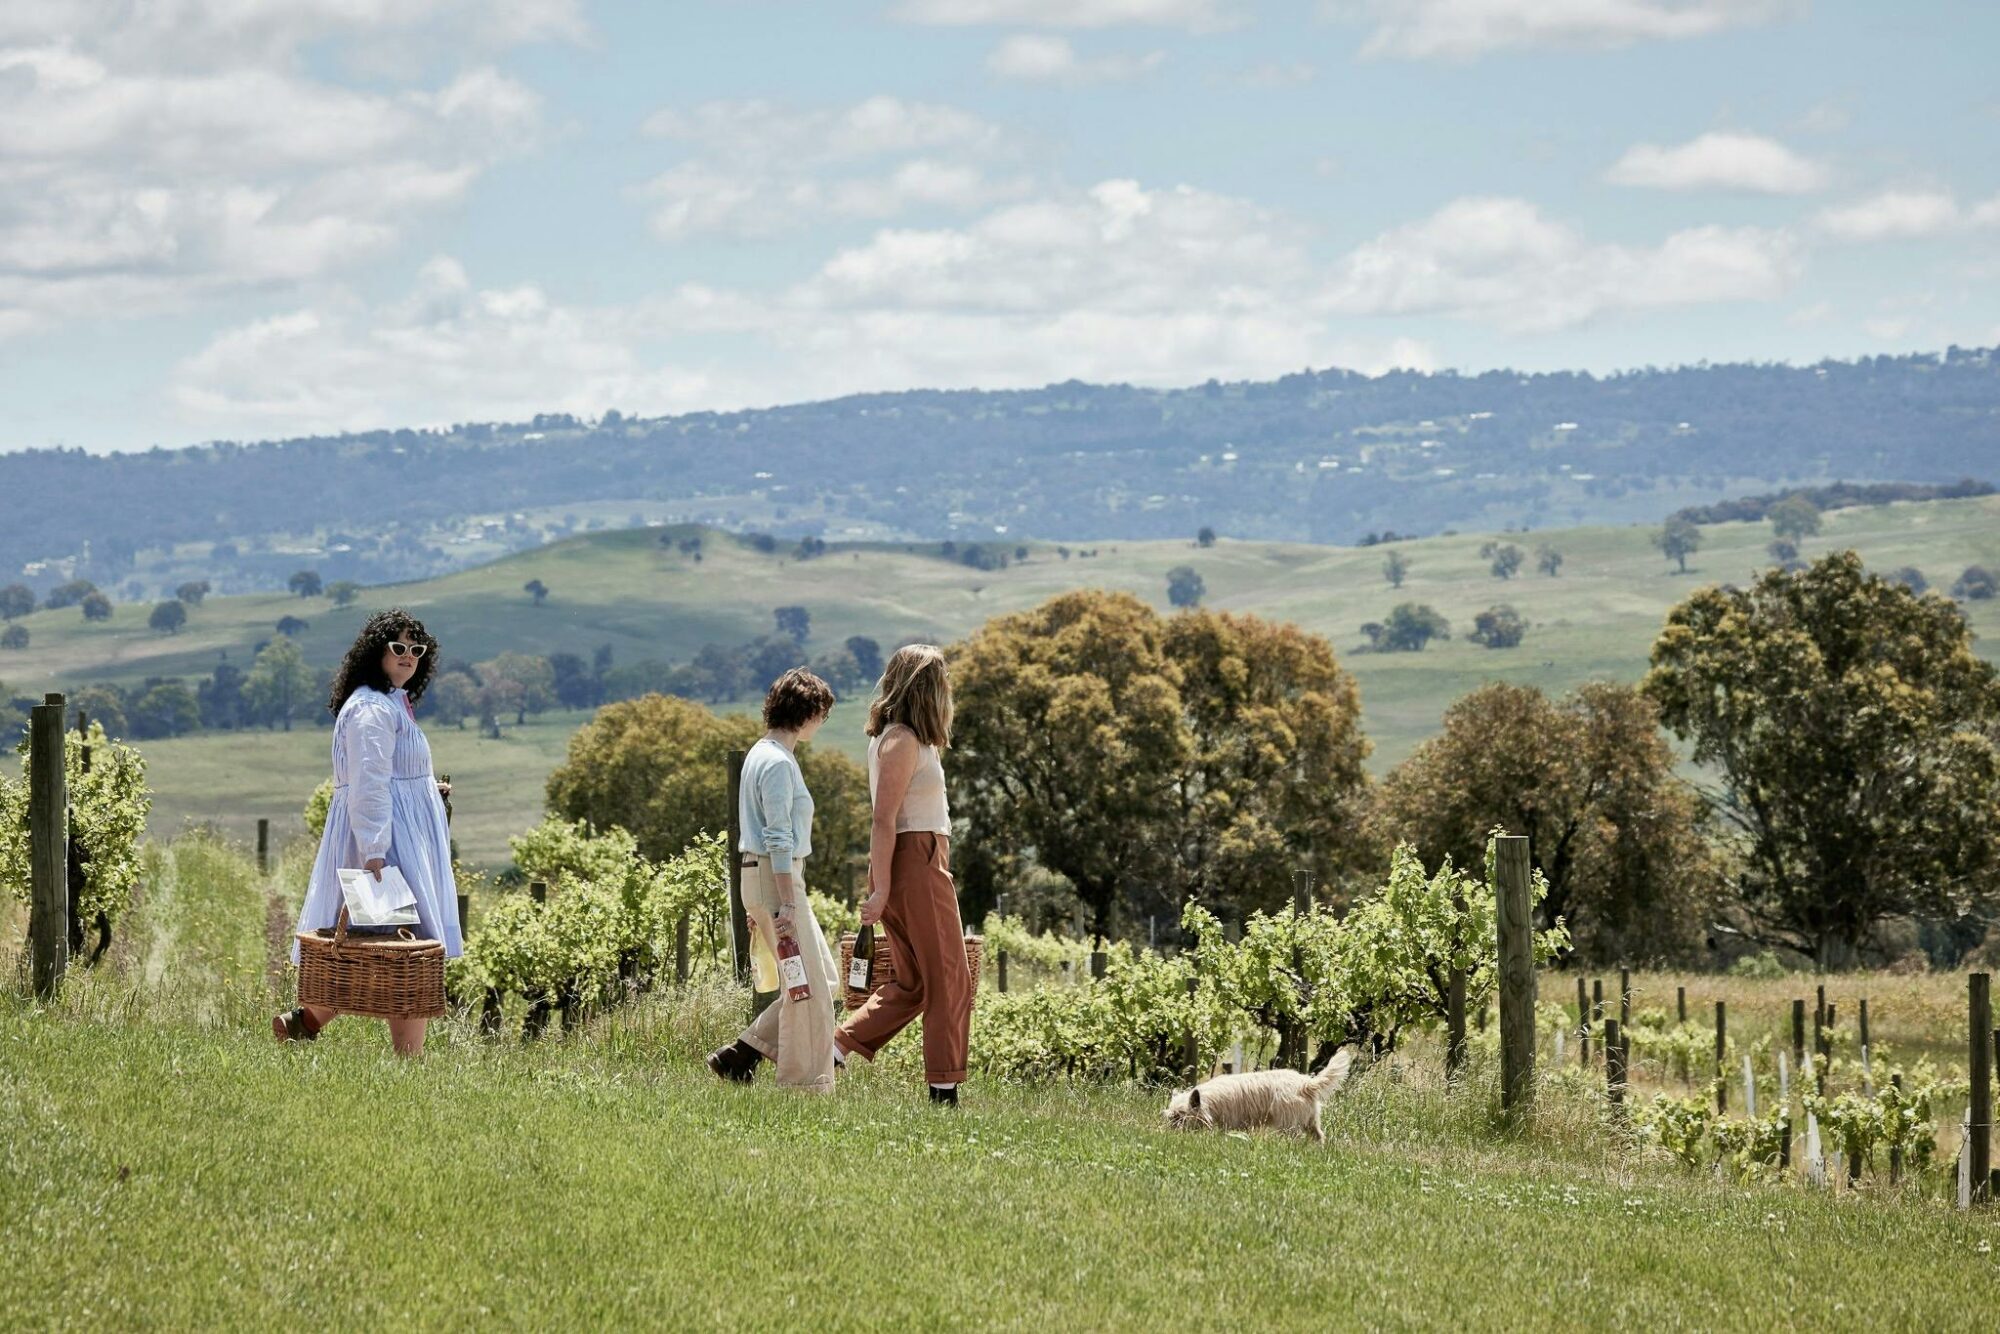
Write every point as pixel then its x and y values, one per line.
pixel 861 968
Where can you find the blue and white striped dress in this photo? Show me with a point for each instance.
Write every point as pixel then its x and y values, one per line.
pixel 385 804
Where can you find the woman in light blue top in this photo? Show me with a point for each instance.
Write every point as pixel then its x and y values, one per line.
pixel 776 812
pixel 387 807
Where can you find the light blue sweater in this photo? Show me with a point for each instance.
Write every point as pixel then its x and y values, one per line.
pixel 775 809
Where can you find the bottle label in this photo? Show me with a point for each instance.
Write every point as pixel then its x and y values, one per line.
pixel 793 969
pixel 857 971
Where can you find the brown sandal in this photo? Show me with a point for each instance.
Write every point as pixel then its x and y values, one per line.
pixel 294 1025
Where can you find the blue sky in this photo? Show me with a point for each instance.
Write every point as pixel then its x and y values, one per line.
pixel 221 219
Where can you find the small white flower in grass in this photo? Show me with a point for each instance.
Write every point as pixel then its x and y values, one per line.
pixel 1984 1248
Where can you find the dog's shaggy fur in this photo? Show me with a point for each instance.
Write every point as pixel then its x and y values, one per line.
pixel 1278 1099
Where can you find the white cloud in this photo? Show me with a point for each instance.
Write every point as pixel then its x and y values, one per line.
pixel 760 169
pixel 1117 283
pixel 1906 215
pixel 818 136
pixel 1041 58
pixel 154 155
pixel 1467 29
pixel 1193 15
pixel 444 352
pixel 1720 160
pixel 1500 262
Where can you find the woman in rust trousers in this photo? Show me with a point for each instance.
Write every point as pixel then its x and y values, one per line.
pixel 909 874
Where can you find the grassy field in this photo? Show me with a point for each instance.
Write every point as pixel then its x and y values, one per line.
pixel 1596 621
pixel 168 1165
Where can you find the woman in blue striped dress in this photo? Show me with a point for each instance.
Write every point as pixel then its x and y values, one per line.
pixel 387 808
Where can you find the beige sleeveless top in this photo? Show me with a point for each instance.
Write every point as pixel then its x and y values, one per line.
pixel 924 809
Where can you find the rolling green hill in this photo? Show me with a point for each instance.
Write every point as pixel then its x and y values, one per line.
pixel 1596 620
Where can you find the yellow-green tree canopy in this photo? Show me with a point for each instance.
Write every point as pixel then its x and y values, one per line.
pixel 1150 760
pixel 654 767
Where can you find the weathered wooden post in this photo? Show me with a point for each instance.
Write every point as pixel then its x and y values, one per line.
pixel 1302 890
pixel 263 845
pixel 681 951
pixel 538 890
pixel 1597 1004
pixel 1864 1021
pixel 1454 1024
pixel 464 911
pixel 1721 1054
pixel 1979 1069
pixel 1583 1020
pixel 1896 1149
pixel 1192 1054
pixel 739 925
pixel 1001 960
pixel 1099 961
pixel 1680 1005
pixel 1515 925
pixel 48 847
pixel 1798 1034
pixel 1624 1000
pixel 1614 1068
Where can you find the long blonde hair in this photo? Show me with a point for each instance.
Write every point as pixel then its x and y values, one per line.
pixel 915 692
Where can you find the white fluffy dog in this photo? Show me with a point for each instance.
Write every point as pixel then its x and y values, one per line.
pixel 1278 1099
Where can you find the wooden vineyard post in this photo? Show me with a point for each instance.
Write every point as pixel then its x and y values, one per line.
pixel 1819 1041
pixel 1864 1022
pixel 1001 960
pixel 1896 1149
pixel 1597 1005
pixel 1514 922
pixel 1099 962
pixel 1614 1068
pixel 681 951
pixel 739 925
pixel 1681 1005
pixel 1583 1021
pixel 1454 997
pixel 1979 1069
pixel 1302 891
pixel 263 845
pixel 1625 1000
pixel 1721 1053
pixel 538 890
pixel 48 847
pixel 464 911
pixel 1798 1034
pixel 1193 1051
pixel 1454 1024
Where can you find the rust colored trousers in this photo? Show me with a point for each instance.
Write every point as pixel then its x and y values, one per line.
pixel 927 952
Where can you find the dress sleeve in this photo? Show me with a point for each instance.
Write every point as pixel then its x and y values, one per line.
pixel 369 739
pixel 774 793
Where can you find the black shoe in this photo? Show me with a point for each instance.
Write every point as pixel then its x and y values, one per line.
pixel 294 1026
pixel 737 1062
pixel 945 1097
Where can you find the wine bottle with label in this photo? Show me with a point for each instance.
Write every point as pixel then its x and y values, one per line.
pixel 861 968
pixel 792 969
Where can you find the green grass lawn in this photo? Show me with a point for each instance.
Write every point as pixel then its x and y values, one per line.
pixel 167 1165
pixel 1596 621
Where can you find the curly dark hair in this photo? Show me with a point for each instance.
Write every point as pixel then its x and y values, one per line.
pixel 363 664
pixel 796 699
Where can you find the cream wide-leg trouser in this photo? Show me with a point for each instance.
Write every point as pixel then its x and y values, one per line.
pixel 797 1036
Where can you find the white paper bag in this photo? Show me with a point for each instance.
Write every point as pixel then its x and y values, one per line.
pixel 370 902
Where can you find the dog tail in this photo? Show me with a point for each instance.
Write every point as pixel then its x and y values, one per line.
pixel 1333 1076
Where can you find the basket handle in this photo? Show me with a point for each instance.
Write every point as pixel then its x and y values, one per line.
pixel 340 927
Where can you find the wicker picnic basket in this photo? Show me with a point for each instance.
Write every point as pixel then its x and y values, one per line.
pixel 975 952
pixel 384 977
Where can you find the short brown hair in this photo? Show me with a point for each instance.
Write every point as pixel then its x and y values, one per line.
pixel 796 699
pixel 916 692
